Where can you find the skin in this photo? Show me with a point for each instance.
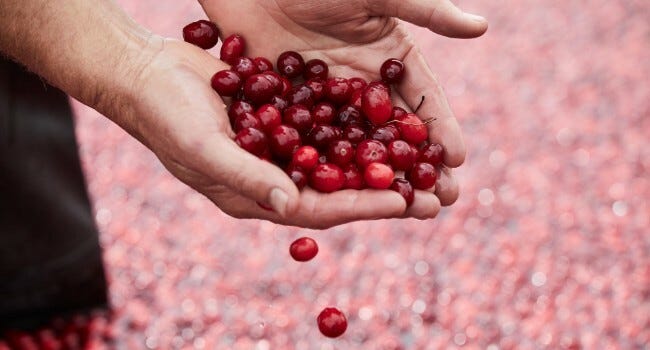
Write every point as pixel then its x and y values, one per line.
pixel 158 90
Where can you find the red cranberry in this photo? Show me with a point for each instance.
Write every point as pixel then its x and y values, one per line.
pixel 201 33
pixel 269 117
pixel 332 322
pixel 412 129
pixel 357 83
pixel 353 177
pixel 238 108
pixel 305 157
pixel 326 178
pixel 378 175
pixel 323 113
pixel 423 176
pixel 322 135
pixel 354 134
pixel 298 176
pixel 252 140
pixel 259 89
pixel 246 120
pixel 286 85
pixel 432 154
pixel 232 48
pixel 316 69
pixel 398 112
pixel 376 103
pixel 355 99
pixel 404 188
pixel 338 90
pixel 385 134
pixel 280 103
pixel 303 249
pixel 263 64
pixel 371 151
pixel 392 71
pixel 226 83
pixel 340 152
pixel 348 115
pixel 317 86
pixel 284 140
pixel 277 81
pixel 245 67
pixel 302 95
pixel 299 117
pixel 290 64
pixel 400 155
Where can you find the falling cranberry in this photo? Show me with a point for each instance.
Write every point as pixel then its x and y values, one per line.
pixel 226 83
pixel 332 322
pixel 316 69
pixel 284 140
pixel 423 176
pixel 326 178
pixel 290 64
pixel 404 188
pixel 412 129
pixel 376 103
pixel 303 249
pixel 252 140
pixel 371 151
pixel 378 175
pixel 392 71
pixel 232 48
pixel 201 33
pixel 245 67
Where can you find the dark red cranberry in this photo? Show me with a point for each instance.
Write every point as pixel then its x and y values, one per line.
pixel 259 89
pixel 353 177
pixel 392 71
pixel 280 103
pixel 263 64
pixel 322 159
pixel 354 134
pixel 400 155
pixel 290 64
pixel 357 83
pixel 276 80
pixel 340 152
pixel 317 86
pixel 326 178
pixel 378 175
pixel 245 67
pixel 201 33
pixel 423 176
pixel 246 120
pixel 252 140
pixel 284 140
pixel 338 90
pixel 232 48
pixel 404 188
pixel 384 134
pixel 298 176
pixel 398 112
pixel 323 113
pixel 316 69
pixel 286 86
pixel 269 117
pixel 371 151
pixel 412 129
pixel 348 115
pixel 376 103
pixel 238 108
pixel 305 157
pixel 302 95
pixel 332 322
pixel 299 117
pixel 355 99
pixel 303 249
pixel 432 154
pixel 322 135
pixel 226 83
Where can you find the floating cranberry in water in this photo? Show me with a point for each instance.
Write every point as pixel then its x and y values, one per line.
pixel 299 117
pixel 316 69
pixel 400 155
pixel 423 176
pixel 432 154
pixel 245 67
pixel 201 33
pixel 353 177
pixel 252 140
pixel 263 64
pixel 357 84
pixel 269 117
pixel 284 140
pixel 238 108
pixel 412 129
pixel 317 87
pixel 323 113
pixel 392 71
pixel 246 120
pixel 303 249
pixel 371 151
pixel 332 322
pixel 322 135
pixel 290 64
pixel 305 157
pixel 232 48
pixel 326 178
pixel 301 95
pixel 404 188
pixel 340 152
pixel 298 176
pixel 378 175
pixel 338 90
pixel 226 83
pixel 376 103
pixel 259 89
pixel 354 134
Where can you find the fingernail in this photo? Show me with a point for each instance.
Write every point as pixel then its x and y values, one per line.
pixel 475 18
pixel 278 200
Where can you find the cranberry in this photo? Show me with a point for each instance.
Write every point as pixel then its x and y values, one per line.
pixel 348 115
pixel 246 120
pixel 299 117
pixel 263 64
pixel 326 178
pixel 201 33
pixel 404 188
pixel 323 113
pixel 412 129
pixel 284 140
pixel 298 176
pixel 305 157
pixel 317 87
pixel 280 103
pixel 340 152
pixel 226 83
pixel 354 134
pixel 303 249
pixel 316 69
pixel 432 154
pixel 376 103
pixel 378 175
pixel 290 64
pixel 385 134
pixel 269 117
pixel 277 81
pixel 245 67
pixel 252 140
pixel 423 176
pixel 302 95
pixel 259 89
pixel 371 151
pixel 353 177
pixel 332 322
pixel 400 155
pixel 322 135
pixel 392 71
pixel 357 83
pixel 355 99
pixel 232 48
pixel 398 112
pixel 338 90
pixel 238 108
pixel 286 86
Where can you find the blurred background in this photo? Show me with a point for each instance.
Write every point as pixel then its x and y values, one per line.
pixel 547 247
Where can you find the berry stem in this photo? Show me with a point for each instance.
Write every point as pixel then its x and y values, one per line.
pixel 420 105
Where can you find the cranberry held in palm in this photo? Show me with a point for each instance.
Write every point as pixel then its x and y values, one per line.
pixel 422 176
pixel 412 129
pixel 238 108
pixel 290 64
pixel 338 90
pixel 371 151
pixel 301 95
pixel 262 64
pixel 332 322
pixel 305 157
pixel 317 86
pixel 353 177
pixel 299 117
pixel 376 103
pixel 378 175
pixel 252 140
pixel 400 155
pixel 246 120
pixel 226 83
pixel 201 33
pixel 385 134
pixel 323 113
pixel 340 152
pixel 284 140
pixel 316 69
pixel 298 176
pixel 279 102
pixel 322 135
pixel 277 81
pixel 354 134
pixel 245 67
pixel 232 48
pixel 355 99
pixel 398 112
pixel 259 89
pixel 404 188
pixel 431 153
pixel 392 71
pixel 348 115
pixel 269 117
pixel 326 178
pixel 303 249
pixel 357 84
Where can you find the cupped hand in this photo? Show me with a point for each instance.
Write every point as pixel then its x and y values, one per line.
pixel 354 37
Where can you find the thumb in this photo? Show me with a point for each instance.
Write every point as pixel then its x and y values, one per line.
pixel 440 16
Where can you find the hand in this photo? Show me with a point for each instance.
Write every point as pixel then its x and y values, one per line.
pixel 354 37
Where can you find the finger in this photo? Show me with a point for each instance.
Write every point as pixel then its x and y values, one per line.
pixel 446 187
pixel 440 16
pixel 425 206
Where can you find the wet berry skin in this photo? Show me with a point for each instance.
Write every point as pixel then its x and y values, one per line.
pixel 322 135
pixel 305 157
pixel 412 129
pixel 201 33
pixel 301 95
pixel 423 176
pixel 378 175
pixel 303 249
pixel 279 102
pixel 392 71
pixel 269 117
pixel 348 115
pixel 338 90
pixel 226 83
pixel 246 120
pixel 332 322
pixel 371 151
pixel 323 113
pixel 326 178
pixel 431 153
pixel 376 103
pixel 401 155
pixel 404 188
pixel 317 86
pixel 263 64
pixel 290 64
pixel 239 107
pixel 259 89
pixel 316 69
pixel 232 48
pixel 354 134
pixel 245 67
pixel 385 134
pixel 353 177
pixel 252 140
pixel 299 117
pixel 340 152
pixel 357 84
pixel 284 140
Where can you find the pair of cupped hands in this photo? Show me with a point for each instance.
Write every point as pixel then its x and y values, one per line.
pixel 184 122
